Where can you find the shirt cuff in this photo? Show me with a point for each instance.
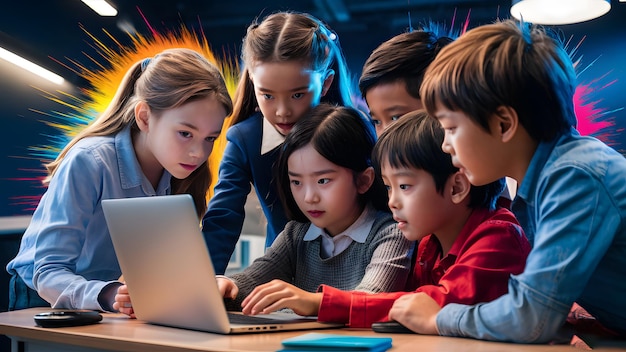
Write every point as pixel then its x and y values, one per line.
pixel 358 311
pixel 448 319
pixel 106 297
pixel 335 305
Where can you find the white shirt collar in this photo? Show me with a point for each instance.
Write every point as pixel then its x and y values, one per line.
pixel 271 138
pixel 357 232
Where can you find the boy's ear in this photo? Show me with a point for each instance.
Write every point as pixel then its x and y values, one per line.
pixel 365 180
pixel 142 115
pixel 506 122
pixel 460 187
pixel 328 80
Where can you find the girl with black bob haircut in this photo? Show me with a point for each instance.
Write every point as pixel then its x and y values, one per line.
pixel 340 232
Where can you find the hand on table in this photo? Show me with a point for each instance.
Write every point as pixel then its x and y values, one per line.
pixel 122 302
pixel 417 311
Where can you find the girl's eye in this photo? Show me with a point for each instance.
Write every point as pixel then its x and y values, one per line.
pixel 376 122
pixel 323 181
pixel 185 134
pixel 404 187
pixel 211 139
pixel 298 95
pixel 388 188
pixel 267 96
pixel 295 182
pixel 394 118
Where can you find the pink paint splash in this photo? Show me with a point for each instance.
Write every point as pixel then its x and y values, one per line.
pixel 588 112
pixel 593 119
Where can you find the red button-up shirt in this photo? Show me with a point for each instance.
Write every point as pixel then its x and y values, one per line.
pixel 490 247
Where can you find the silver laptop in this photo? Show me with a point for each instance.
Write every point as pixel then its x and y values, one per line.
pixel 168 270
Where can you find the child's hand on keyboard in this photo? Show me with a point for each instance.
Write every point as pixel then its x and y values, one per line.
pixel 276 295
pixel 227 287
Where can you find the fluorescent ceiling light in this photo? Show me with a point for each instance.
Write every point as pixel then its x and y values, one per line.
pixel 555 12
pixel 27 65
pixel 101 7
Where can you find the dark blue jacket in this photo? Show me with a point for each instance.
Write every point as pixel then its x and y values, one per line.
pixel 242 165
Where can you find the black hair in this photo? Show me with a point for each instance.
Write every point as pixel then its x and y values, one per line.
pixel 342 136
pixel 414 141
pixel 405 58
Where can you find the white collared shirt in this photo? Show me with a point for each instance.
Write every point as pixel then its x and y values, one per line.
pixel 271 138
pixel 358 231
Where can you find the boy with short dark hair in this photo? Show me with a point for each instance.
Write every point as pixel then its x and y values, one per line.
pixel 504 95
pixel 393 73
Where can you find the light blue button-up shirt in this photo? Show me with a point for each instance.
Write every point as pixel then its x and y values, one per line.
pixel 572 206
pixel 66 253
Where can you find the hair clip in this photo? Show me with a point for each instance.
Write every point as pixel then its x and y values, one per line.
pixel 329 33
pixel 145 64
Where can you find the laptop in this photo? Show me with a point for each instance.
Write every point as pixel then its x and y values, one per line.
pixel 168 270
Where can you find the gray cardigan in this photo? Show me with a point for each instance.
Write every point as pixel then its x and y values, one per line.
pixel 380 264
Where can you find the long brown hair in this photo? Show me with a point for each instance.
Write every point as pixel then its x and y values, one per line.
pixel 166 81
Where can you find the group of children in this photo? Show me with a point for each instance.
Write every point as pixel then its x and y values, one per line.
pixel 368 220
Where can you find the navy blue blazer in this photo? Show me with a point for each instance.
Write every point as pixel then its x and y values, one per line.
pixel 242 165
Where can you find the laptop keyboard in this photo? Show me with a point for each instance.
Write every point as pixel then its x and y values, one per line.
pixel 251 319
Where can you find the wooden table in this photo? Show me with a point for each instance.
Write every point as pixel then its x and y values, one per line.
pixel 117 332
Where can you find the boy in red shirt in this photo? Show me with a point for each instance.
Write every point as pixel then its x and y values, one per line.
pixel 468 248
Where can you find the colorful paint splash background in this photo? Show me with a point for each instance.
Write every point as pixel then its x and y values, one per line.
pixel 593 119
pixel 112 62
